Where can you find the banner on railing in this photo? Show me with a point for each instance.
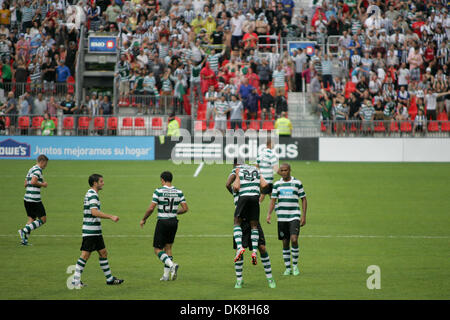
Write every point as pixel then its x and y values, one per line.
pixel 78 148
pixel 102 44
pixel 309 46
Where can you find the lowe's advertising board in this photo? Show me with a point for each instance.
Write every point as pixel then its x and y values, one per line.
pixel 78 148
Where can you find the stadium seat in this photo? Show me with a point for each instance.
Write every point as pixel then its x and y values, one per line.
pixel 68 123
pixel 201 115
pixel 322 127
pixel 99 123
pixel 433 126
pixel 442 116
pixel 379 127
pixel 157 123
pixel 36 122
pixel 139 124
pixel 112 125
pixel 254 124
pixel 127 124
pixel 55 120
pixel 7 122
pixel 267 125
pixel 24 124
pixel 83 125
pixel 405 126
pixel 445 126
pixel 394 126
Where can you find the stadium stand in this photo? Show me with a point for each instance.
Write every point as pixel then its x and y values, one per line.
pixel 171 52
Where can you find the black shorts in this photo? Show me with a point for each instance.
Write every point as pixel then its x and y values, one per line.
pixel 268 189
pixel 246 236
pixel 34 210
pixel 247 208
pixel 165 232
pixel 288 228
pixel 92 243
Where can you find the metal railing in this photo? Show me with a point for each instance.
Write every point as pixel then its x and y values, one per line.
pixel 384 128
pixel 149 104
pixel 48 89
pixel 85 125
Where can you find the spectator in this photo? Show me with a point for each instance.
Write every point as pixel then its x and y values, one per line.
pixel 367 114
pixel 279 80
pixel 68 105
pixel 236 112
pixel 300 60
pixel 267 104
pixel 52 106
pixel 420 123
pixel 47 125
pixel 283 125
pixel 105 106
pixel 62 72
pixel 24 105
pixel 211 97
pixel 251 105
pixel 48 74
pixel 221 108
pixel 94 105
pixel 40 105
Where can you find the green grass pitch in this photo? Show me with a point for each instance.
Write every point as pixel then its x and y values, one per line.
pixel 395 216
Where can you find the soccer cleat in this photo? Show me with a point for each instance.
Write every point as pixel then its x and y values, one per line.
pixel 173 272
pixel 295 271
pixel 287 272
pixel 239 254
pixel 272 283
pixel 23 237
pixel 254 258
pixel 163 278
pixel 78 285
pixel 238 284
pixel 115 281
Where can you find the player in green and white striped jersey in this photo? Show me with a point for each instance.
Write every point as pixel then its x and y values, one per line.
pixel 247 243
pixel 92 233
pixel 288 191
pixel 36 214
pixel 267 162
pixel 247 183
pixel 167 200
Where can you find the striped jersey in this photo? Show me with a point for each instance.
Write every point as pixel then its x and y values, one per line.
pixel 91 225
pixel 288 193
pixel 250 180
pixel 33 193
pixel 168 199
pixel 278 78
pixel 266 160
pixel 124 70
pixel 214 61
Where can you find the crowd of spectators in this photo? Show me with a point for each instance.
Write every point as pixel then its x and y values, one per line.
pixel 170 48
pixel 392 58
pixel 38 49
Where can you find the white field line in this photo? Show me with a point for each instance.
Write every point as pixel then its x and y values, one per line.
pixel 199 168
pixel 230 235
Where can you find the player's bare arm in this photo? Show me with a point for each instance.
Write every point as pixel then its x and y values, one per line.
pixel 97 213
pixel 263 183
pixel 304 207
pixel 237 181
pixel 271 207
pixel 148 213
pixel 230 181
pixel 36 183
pixel 184 208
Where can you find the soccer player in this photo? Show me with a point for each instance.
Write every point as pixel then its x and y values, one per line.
pixel 92 233
pixel 34 181
pixel 167 199
pixel 267 162
pixel 246 243
pixel 288 191
pixel 247 184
